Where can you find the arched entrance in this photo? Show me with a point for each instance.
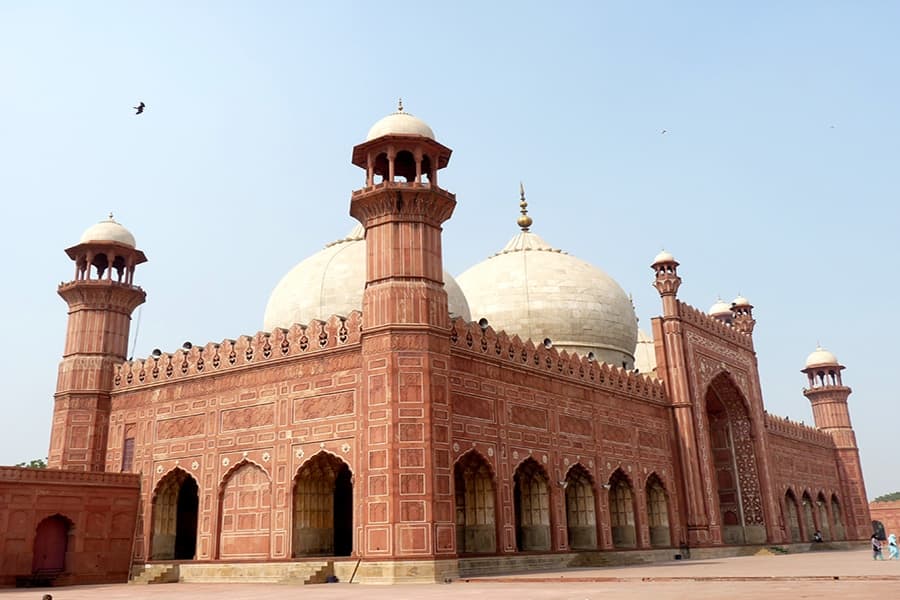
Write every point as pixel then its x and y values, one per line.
pixel 838 519
pixel 658 513
pixel 476 529
pixel 809 520
pixel 323 508
pixel 581 515
pixel 824 524
pixel 531 497
pixel 621 511
pixel 175 509
pixel 733 460
pixel 792 516
pixel 51 541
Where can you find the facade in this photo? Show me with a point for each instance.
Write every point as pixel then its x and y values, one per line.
pixel 413 440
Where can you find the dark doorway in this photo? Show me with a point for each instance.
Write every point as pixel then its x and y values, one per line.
pixel 50 544
pixel 186 521
pixel 343 513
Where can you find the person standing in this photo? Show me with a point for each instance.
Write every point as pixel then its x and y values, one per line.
pixel 892 547
pixel 876 548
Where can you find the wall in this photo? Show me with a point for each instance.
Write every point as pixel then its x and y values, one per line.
pixel 100 510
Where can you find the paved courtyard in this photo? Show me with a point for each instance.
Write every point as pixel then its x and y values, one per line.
pixel 848 575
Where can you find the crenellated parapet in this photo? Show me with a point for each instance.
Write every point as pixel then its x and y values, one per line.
pixel 714 326
pixel 799 431
pixel 318 336
pixel 484 341
pixel 50 476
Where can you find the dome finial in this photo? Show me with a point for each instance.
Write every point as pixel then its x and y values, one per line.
pixel 524 221
pixel 110 216
pixel 399 104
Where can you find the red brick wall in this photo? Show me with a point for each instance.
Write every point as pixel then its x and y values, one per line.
pixel 889 515
pixel 100 508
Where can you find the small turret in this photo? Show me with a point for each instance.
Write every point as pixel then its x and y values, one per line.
pixel 667 280
pixel 742 310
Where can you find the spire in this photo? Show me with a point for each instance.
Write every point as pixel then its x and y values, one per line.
pixel 523 221
pixel 399 104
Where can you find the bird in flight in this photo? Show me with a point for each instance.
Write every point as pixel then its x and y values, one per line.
pixel 663 132
pixel 139 108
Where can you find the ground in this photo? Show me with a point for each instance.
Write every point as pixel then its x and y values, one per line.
pixel 848 575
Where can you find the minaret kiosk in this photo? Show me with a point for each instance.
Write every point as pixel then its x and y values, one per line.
pixel 101 298
pixel 405 519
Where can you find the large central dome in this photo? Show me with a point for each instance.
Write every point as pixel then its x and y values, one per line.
pixel 332 282
pixel 536 291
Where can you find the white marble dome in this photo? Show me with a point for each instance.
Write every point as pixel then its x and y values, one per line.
pixel 821 358
pixel 108 231
pixel 535 291
pixel 331 282
pixel 720 309
pixel 401 123
pixel 663 257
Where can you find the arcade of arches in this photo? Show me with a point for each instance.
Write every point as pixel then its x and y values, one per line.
pixel 804 518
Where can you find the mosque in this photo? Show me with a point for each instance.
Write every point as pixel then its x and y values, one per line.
pixel 394 423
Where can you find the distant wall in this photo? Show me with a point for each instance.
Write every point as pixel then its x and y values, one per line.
pixel 95 513
pixel 889 515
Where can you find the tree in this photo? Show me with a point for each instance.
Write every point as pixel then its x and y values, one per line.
pixel 888 497
pixel 37 463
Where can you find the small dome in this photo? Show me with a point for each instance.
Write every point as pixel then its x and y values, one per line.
pixel 332 282
pixel 108 231
pixel 400 123
pixel 740 301
pixel 535 291
pixel 720 309
pixel 663 257
pixel 820 358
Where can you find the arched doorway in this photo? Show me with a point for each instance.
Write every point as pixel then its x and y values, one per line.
pixel 733 460
pixel 531 497
pixel 323 508
pixel 175 509
pixel 658 513
pixel 476 529
pixel 51 541
pixel 792 516
pixel 838 519
pixel 621 511
pixel 824 524
pixel 581 514
pixel 245 513
pixel 809 520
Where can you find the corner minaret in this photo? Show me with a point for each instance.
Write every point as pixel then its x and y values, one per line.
pixel 101 298
pixel 828 396
pixel 742 312
pixel 405 512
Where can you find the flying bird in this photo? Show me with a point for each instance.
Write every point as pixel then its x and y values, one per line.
pixel 663 131
pixel 139 108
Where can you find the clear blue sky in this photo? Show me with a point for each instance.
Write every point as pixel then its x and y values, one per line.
pixel 776 179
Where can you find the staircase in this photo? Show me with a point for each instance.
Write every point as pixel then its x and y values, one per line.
pixel 157 573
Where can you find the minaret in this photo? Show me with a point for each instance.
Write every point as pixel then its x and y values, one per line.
pixel 672 368
pixel 405 509
pixel 828 396
pixel 101 299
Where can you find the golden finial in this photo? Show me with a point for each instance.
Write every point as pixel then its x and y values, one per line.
pixel 523 221
pixel 399 104
pixel 110 216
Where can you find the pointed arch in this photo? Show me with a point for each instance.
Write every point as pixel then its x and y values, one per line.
pixel 621 510
pixel 322 507
pixel 51 545
pixel 837 518
pixel 475 497
pixel 581 508
pixel 792 516
pixel 823 521
pixel 245 512
pixel 658 512
pixel 175 507
pixel 809 519
pixel 733 462
pixel 531 500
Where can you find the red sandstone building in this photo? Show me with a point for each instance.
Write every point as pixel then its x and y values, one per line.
pixel 420 444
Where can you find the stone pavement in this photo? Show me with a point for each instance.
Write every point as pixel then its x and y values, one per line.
pixel 848 575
